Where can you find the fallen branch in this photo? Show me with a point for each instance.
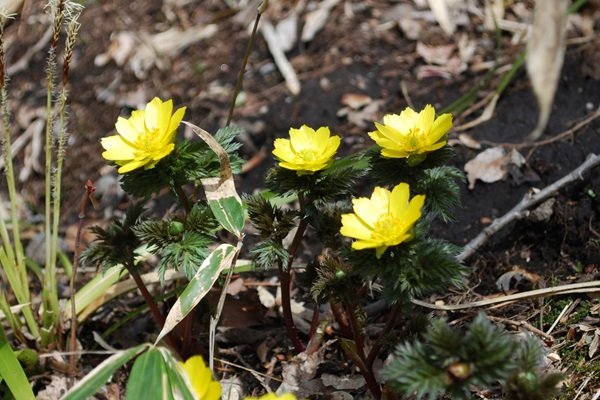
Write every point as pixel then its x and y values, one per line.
pixel 584 287
pixel 529 200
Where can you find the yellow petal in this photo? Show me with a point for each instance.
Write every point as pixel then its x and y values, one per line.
pixel 176 119
pixel 130 166
pixel 389 133
pixel 151 113
pixel 355 228
pixel 164 151
pixel 363 208
pixel 440 127
pixel 409 117
pixel 283 150
pixel 399 199
pixel 127 130
pixel 291 166
pixel 164 117
pixel 394 153
pixel 321 135
pixel 137 120
pixel 331 146
pixel 299 140
pixel 433 147
pixel 426 117
pixel 413 212
pixel 380 200
pixel 117 148
pixel 365 244
pixel 213 392
pixel 395 122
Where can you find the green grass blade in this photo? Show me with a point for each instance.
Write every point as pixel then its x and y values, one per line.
pixel 12 372
pixel 93 381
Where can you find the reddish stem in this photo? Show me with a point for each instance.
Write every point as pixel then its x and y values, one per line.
pixel 157 315
pixel 284 276
pixel 365 370
pixel 87 196
pixel 389 324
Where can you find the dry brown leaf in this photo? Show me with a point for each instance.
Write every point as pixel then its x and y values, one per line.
pixel 512 278
pixel 355 100
pixel 345 382
pixel 488 166
pixel 545 54
pixel 435 54
pixel 142 51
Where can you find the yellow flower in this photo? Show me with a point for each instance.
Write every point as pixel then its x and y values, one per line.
pixel 307 150
pixel 383 220
pixel 201 379
pixel 273 396
pixel 411 133
pixel 145 137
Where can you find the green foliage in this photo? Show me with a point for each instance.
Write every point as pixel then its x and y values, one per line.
pixel 319 187
pixel 267 253
pixel 180 244
pixel 115 244
pixel 412 269
pixel 273 225
pixel 189 162
pixel 442 192
pixel 271 222
pixel 333 279
pixel 428 267
pixel 449 361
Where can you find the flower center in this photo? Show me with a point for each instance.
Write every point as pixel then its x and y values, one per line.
pixel 148 142
pixel 307 155
pixel 386 229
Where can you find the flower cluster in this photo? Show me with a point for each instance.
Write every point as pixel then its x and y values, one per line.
pixel 144 138
pixel 387 218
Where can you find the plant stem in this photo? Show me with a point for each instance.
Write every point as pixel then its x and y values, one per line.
pixel 389 324
pixel 185 202
pixel 341 319
pixel 284 276
pixel 89 189
pixel 286 279
pixel 366 371
pixel 157 315
pixel 240 77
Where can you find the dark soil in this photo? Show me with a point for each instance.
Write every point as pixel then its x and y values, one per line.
pixel 350 55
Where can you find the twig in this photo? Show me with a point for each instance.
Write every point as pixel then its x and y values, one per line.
pixel 565 312
pixel 528 201
pixel 587 120
pixel 87 197
pixel 238 83
pixel 584 287
pixel 525 325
